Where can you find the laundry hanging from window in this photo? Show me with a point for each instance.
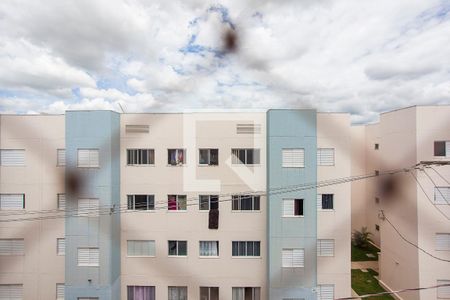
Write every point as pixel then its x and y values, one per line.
pixel 176 157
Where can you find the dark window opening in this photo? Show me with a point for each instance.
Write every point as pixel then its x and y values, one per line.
pixel 298 207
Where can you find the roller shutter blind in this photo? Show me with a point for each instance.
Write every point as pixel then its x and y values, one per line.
pixel 293 158
pixel 137 128
pixel 88 257
pixel 325 157
pixel 443 292
pixel 12 247
pixel 11 291
pixel 12 201
pixel 88 207
pixel 442 195
pixel 325 247
pixel 59 291
pixel 61 157
pixel 442 241
pixel 61 246
pixel 140 248
pixel 88 158
pixel 325 292
pixel 248 128
pixel 293 258
pixel 12 157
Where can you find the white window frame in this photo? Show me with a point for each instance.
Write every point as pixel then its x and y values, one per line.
pixel 237 201
pixel 61 246
pixel 139 247
pixel 235 160
pixel 323 247
pixel 288 208
pixel 293 157
pixel 293 257
pixel 177 248
pixel 92 253
pixel 217 246
pixel 447 149
pixel 210 199
pixel 93 209
pixel 3 200
pixel 135 157
pixel 60 157
pixel 177 201
pixel 177 162
pixel 58 291
pixel 132 199
pixel 442 195
pixel 14 291
pixel 12 247
pixel 179 296
pixel 320 295
pixel 320 159
pixel 319 202
pixel 93 158
pixel 240 291
pixel 208 163
pixel 246 251
pixel 442 241
pixel 18 161
pixel 209 291
pixel 61 201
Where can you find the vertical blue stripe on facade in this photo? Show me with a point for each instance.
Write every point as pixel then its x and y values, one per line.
pixel 93 130
pixel 291 129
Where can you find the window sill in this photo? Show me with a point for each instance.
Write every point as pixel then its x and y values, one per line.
pixel 142 210
pixel 96 266
pixel 206 165
pixel 141 256
pixel 246 165
pixel 246 257
pixel 209 257
pixel 300 217
pixel 177 256
pixel 293 267
pixel 180 165
pixel 88 167
pixel 326 210
pixel 141 165
pixel 245 211
pixel 177 211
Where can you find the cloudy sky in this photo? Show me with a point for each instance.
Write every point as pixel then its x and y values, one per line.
pixel 357 56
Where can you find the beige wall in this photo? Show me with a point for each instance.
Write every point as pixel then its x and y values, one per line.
pixel 333 131
pixel 193 131
pixel 40 180
pixel 358 167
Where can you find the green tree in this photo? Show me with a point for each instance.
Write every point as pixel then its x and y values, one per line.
pixel 361 239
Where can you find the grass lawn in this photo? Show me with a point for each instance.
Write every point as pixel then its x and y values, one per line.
pixel 365 283
pixel 359 254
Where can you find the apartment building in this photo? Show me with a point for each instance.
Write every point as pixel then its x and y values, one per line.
pixel 417 203
pixel 101 205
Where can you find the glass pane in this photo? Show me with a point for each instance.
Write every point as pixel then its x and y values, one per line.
pixel 144 157
pixel 256 203
pixel 204 293
pixel 235 246
pixel 172 247
pixel 235 203
pixel 246 202
pixel 256 156
pixel 172 202
pixel 249 249
pixel 241 156
pixel 203 153
pixel 298 207
pixel 241 248
pixel 250 156
pixel 151 159
pixel 204 202
pixel 182 247
pixel 214 293
pixel 172 157
pixel 214 157
pixel 256 248
pixel 130 201
pixel 140 202
pixel 181 202
pixel 151 202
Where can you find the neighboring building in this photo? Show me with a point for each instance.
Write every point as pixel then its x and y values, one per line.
pixel 175 206
pixel 401 139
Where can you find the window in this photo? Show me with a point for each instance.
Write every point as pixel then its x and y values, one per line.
pixel 377 227
pixel 88 207
pixel 61 157
pixel 325 157
pixel 325 292
pixel 135 292
pixel 325 247
pixel 246 293
pixel 141 248
pixel 246 248
pixel 325 201
pixel 377 146
pixel 377 172
pixel 12 201
pixel 137 128
pixel 292 207
pixel 11 291
pixel 176 157
pixel 140 157
pixel 178 293
pixel 377 200
pixel 442 241
pixel 61 246
pixel 444 291
pixel 442 148
pixel 293 158
pixel 209 248
pixel 442 195
pixel 208 157
pixel 141 202
pixel 61 201
pixel 245 156
pixel 248 128
pixel 208 202
pixel 293 258
pixel 176 202
pixel 209 293
pixel 88 158
pixel 12 157
pixel 12 247
pixel 177 248
pixel 60 291
pixel 88 257
pixel 246 202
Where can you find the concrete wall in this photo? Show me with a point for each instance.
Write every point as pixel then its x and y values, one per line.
pixel 100 130
pixel 40 180
pixel 333 131
pixel 358 188
pixel 292 129
pixel 191 132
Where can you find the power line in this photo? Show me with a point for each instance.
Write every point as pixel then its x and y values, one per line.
pixel 124 208
pixel 383 217
pixel 443 178
pixel 436 187
pixel 395 292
